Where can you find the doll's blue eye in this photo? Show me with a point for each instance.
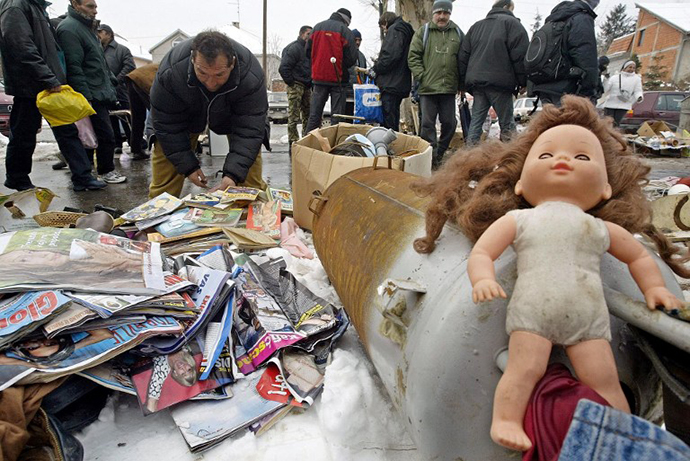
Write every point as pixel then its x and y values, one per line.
pixel 545 155
pixel 582 157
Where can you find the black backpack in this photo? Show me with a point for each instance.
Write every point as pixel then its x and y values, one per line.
pixel 545 60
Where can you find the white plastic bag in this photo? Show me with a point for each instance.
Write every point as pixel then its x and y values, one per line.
pixel 87 135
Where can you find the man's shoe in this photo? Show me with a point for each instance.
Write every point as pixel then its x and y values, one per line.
pixel 141 156
pixel 91 184
pixel 113 177
pixel 19 185
pixel 59 165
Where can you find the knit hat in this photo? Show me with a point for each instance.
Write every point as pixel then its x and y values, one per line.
pixel 592 3
pixel 442 5
pixel 356 34
pixel 345 13
pixel 627 63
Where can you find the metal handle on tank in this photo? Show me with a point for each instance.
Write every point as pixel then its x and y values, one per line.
pixel 317 202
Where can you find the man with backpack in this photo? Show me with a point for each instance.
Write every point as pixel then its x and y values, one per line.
pixel 433 60
pixel 562 56
pixel 492 67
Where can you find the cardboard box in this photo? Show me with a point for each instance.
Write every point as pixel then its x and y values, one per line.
pixel 315 170
pixel 648 130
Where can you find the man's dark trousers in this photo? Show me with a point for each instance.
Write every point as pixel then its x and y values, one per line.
pixel 443 107
pixel 25 120
pixel 319 96
pixel 106 139
pixel 139 103
pixel 390 103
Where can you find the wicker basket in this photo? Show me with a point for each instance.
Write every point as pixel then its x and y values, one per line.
pixel 57 218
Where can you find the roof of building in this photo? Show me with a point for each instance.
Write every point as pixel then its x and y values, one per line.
pixel 675 14
pixel 168 37
pixel 247 39
pixel 137 51
pixel 621 44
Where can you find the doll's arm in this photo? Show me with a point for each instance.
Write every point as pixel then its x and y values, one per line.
pixel 480 266
pixel 642 268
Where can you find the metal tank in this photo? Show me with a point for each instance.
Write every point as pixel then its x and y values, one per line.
pixel 434 349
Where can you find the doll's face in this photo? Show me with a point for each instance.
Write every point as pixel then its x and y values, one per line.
pixel 566 163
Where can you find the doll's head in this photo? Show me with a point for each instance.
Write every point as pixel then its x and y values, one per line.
pixel 478 186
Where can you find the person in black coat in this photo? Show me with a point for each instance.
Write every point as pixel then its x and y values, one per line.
pixel 392 74
pixel 581 51
pixel 208 80
pixel 491 67
pixel 295 69
pixel 31 64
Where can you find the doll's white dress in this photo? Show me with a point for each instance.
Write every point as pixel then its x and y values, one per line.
pixel 558 293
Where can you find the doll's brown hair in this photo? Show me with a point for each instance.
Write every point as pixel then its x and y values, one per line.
pixel 476 187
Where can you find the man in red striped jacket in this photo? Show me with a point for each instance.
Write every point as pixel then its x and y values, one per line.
pixel 333 51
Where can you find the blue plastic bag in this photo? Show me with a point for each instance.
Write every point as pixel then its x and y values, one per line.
pixel 368 102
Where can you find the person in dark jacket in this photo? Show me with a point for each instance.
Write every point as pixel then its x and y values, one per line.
pixel 210 80
pixel 88 73
pixel 581 51
pixel 295 69
pixel 391 72
pixel 31 64
pixel 491 65
pixel 120 62
pixel 356 77
pixel 332 50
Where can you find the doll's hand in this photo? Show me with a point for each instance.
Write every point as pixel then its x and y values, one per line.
pixel 660 296
pixel 486 290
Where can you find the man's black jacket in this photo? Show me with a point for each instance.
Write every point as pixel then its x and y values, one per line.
pixel 28 44
pixel 295 65
pixel 180 106
pixel 392 73
pixel 493 53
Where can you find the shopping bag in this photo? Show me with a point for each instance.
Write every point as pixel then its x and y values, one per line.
pixel 465 116
pixel 368 102
pixel 87 135
pixel 63 107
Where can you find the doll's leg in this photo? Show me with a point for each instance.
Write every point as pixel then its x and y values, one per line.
pixel 528 356
pixel 595 366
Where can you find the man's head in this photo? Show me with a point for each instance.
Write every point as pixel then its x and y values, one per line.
pixel 305 32
pixel 357 36
pixel 505 4
pixel 213 58
pixel 87 8
pixel 346 15
pixel 386 20
pixel 105 34
pixel 441 11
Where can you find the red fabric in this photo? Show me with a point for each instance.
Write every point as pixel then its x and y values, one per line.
pixel 327 44
pixel 550 411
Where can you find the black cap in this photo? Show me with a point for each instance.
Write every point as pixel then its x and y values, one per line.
pixel 345 12
pixel 106 28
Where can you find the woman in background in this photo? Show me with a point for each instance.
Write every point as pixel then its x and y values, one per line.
pixel 622 90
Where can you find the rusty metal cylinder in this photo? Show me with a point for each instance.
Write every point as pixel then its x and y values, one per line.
pixel 434 349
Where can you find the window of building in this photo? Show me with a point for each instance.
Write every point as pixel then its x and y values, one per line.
pixel 640 39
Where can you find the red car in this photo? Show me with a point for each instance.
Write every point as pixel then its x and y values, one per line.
pixel 5 109
pixel 657 105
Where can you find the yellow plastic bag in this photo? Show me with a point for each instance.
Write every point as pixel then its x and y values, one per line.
pixel 64 107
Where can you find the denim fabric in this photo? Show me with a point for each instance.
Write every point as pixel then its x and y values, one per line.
pixel 443 107
pixel 319 96
pixel 600 433
pixel 502 102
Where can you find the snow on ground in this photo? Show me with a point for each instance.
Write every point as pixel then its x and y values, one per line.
pixel 353 418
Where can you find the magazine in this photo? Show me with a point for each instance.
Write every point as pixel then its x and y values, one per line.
pixel 46 359
pixel 24 313
pixel 212 217
pixel 205 424
pixel 157 206
pixel 249 240
pixel 177 225
pixel 239 194
pixel 265 217
pixel 300 375
pixel 111 375
pixel 217 334
pixel 74 316
pixel 81 260
pixel 283 196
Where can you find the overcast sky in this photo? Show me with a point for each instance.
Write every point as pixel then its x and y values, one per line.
pixel 145 22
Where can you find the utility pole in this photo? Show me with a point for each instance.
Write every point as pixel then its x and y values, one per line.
pixel 265 40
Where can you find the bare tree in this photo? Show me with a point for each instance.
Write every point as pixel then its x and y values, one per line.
pixel 274 49
pixel 416 12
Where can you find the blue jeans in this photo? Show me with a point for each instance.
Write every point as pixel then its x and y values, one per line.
pixel 502 102
pixel 319 96
pixel 600 433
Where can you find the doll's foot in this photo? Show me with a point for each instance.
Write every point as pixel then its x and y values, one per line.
pixel 510 435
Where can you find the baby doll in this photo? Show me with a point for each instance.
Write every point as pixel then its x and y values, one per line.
pixel 563 193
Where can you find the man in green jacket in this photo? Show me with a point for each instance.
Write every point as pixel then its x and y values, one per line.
pixel 433 60
pixel 88 73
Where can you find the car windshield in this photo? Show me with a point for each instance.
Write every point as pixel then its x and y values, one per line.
pixel 674 101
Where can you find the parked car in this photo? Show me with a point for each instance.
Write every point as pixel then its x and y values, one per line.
pixel 657 105
pixel 5 109
pixel 523 107
pixel 277 106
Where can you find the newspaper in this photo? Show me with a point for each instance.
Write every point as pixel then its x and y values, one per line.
pixel 24 313
pixel 157 206
pixel 81 260
pixel 44 360
pixel 205 424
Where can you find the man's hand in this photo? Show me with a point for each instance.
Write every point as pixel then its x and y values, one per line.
pixel 55 89
pixel 224 184
pixel 199 178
